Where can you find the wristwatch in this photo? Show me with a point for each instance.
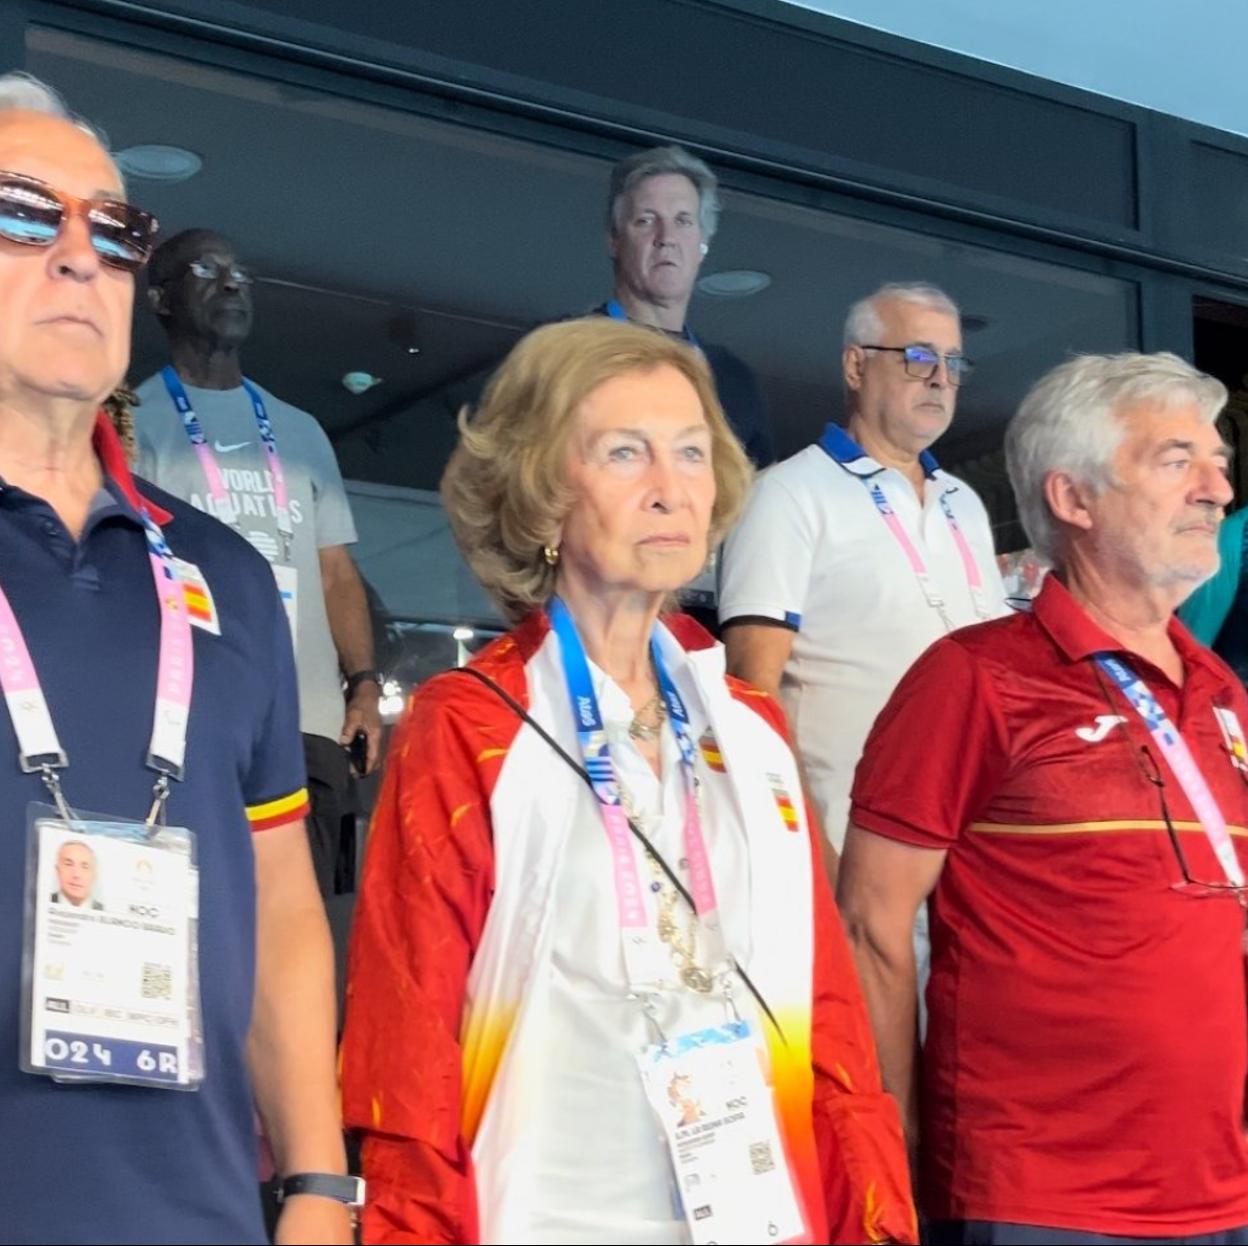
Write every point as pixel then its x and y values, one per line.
pixel 362 677
pixel 348 1190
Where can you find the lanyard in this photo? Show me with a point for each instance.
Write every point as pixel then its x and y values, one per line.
pixel 207 460
pixel 39 747
pixel 970 567
pixel 596 754
pixel 616 312
pixel 1180 760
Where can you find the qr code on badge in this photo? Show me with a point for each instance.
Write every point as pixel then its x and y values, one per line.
pixel 157 981
pixel 761 1158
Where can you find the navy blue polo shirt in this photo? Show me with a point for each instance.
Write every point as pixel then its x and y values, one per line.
pixel 130 1164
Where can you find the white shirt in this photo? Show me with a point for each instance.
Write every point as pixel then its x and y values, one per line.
pixel 812 552
pixel 620 1188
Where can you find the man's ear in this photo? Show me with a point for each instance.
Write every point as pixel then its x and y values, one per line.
pixel 852 358
pixel 1070 500
pixel 157 300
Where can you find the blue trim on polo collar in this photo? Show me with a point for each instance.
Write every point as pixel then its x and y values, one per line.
pixel 841 447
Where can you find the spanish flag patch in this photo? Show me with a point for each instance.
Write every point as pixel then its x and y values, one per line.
pixel 711 754
pixel 200 607
pixel 784 802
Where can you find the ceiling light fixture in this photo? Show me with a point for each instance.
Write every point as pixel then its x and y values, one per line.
pixel 359 383
pixel 734 283
pixel 158 162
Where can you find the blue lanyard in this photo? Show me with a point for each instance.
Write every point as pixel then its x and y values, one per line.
pixel 589 725
pixel 616 312
pixel 596 753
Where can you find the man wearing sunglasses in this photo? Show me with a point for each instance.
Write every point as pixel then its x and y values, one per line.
pixel 218 439
pixel 1068 785
pixel 121 699
pixel 856 553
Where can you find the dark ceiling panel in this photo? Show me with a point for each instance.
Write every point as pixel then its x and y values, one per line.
pixel 770 87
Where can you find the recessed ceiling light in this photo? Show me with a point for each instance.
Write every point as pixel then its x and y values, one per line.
pixel 158 162
pixel 734 283
pixel 359 383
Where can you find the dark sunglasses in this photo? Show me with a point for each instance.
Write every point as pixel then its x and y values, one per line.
pixel 33 213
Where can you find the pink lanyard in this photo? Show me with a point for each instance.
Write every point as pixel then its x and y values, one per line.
pixel 970 567
pixel 39 747
pixel 207 460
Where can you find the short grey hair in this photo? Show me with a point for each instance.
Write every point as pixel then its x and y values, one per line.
pixel 22 92
pixel 863 324
pixel 654 162
pixel 1071 421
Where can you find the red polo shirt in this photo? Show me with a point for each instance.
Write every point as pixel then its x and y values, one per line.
pixel 1088 1042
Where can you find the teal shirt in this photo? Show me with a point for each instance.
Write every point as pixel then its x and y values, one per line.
pixel 1206 609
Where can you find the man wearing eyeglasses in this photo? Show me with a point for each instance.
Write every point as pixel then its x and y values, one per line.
pixel 1068 785
pixel 218 439
pixel 859 551
pixel 134 1040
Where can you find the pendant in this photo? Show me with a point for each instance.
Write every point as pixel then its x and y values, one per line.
pixel 697 979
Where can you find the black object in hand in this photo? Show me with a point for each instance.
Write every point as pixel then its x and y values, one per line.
pixel 357 750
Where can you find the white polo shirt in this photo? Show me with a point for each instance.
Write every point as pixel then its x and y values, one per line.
pixel 814 553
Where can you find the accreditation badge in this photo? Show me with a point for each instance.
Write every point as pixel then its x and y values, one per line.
pixel 110 982
pixel 719 1118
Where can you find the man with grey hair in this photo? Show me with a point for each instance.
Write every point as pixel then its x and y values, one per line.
pixel 662 212
pixel 148 676
pixel 859 551
pixel 1075 804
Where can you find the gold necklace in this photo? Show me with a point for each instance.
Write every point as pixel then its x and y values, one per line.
pixel 681 948
pixel 656 711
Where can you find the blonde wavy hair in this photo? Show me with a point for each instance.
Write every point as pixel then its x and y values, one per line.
pixel 505 488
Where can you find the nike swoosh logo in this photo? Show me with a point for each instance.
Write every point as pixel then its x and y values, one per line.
pixel 1105 723
pixel 238 445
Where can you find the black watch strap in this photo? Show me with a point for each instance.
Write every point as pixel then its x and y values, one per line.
pixel 348 1190
pixel 362 677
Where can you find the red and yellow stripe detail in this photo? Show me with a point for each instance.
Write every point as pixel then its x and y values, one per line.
pixel 278 812
pixel 1118 827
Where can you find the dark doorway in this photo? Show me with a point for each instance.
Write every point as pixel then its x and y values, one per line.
pixel 1220 347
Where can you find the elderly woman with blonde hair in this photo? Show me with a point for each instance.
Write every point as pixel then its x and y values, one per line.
pixel 598 990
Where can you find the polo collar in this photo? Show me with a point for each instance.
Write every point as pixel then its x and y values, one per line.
pixel 843 449
pixel 1079 638
pixel 112 456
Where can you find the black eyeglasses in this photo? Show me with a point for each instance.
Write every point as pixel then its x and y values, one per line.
pixel 210 270
pixel 33 213
pixel 1190 886
pixel 921 362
